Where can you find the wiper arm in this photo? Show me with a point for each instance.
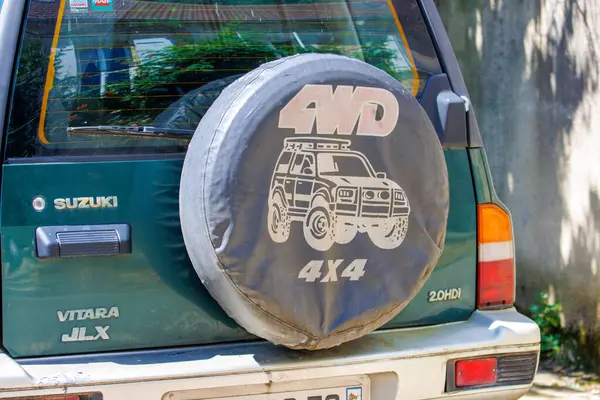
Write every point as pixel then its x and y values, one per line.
pixel 133 131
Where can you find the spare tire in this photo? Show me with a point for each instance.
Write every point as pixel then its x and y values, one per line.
pixel 314 200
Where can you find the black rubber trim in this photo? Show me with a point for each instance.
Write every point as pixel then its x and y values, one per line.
pixel 12 20
pixel 99 158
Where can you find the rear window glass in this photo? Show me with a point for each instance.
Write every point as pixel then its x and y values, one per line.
pixel 163 63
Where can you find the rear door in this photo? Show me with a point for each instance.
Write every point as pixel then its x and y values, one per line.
pixel 92 253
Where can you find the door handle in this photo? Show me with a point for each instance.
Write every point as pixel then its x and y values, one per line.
pixel 82 240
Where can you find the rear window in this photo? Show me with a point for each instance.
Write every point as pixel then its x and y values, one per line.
pixel 163 63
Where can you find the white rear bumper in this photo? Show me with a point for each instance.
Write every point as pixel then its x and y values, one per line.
pixel 400 364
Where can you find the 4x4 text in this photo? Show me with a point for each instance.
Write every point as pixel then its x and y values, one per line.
pixel 312 271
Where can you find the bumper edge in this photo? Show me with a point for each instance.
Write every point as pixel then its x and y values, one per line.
pixel 405 353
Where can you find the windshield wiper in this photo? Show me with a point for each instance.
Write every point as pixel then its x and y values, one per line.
pixel 133 131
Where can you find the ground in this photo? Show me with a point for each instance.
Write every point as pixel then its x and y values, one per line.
pixel 551 385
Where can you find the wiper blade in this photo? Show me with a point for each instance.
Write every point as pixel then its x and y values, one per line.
pixel 133 131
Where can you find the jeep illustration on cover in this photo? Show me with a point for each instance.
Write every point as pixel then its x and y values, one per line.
pixel 335 192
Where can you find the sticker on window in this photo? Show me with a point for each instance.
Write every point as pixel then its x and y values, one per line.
pixel 102 5
pixel 78 5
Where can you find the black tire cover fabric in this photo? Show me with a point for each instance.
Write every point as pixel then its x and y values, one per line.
pixel 314 200
pixel 187 112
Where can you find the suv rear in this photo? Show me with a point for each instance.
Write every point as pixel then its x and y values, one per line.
pixel 125 316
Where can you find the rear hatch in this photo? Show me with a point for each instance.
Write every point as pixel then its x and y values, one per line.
pixel 132 63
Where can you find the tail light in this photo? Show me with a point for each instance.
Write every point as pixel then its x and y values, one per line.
pixel 477 372
pixel 496 264
pixel 508 369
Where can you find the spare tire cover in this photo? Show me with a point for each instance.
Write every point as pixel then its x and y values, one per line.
pixel 314 200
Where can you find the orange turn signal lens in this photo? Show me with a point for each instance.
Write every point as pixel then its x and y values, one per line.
pixel 493 224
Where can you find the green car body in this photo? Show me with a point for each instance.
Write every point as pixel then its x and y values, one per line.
pixel 160 301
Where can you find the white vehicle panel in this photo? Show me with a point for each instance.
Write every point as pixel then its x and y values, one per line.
pixel 350 388
pixel 400 364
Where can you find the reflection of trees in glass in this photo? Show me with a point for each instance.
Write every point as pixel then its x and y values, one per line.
pixel 167 74
pixel 93 90
pixel 27 98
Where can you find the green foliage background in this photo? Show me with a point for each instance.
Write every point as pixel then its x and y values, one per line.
pixel 547 316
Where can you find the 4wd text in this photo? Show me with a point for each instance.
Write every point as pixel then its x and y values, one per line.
pixel 372 111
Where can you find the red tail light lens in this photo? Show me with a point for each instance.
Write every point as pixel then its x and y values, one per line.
pixel 475 372
pixel 496 283
pixel 491 370
pixel 496 264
